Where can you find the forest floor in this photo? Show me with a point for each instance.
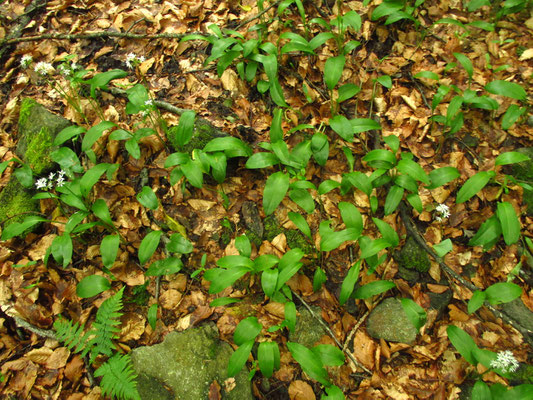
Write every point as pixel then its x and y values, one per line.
pixel 174 72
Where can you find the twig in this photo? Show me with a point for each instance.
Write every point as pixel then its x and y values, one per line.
pixel 354 329
pixel 46 333
pixel 93 35
pixel 330 332
pixel 257 16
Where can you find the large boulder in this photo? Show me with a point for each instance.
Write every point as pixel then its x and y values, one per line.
pixel 185 365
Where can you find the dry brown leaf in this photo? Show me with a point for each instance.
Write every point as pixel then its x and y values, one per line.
pixel 300 390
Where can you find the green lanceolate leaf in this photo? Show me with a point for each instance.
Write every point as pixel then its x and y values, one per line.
pixel 109 250
pixel 372 289
pixel 16 229
pixel 347 91
pixel 62 249
pixel 101 210
pixel 348 284
pixel 385 81
pixel 92 285
pixel 192 170
pixel 380 158
pixel 329 355
pixel 511 157
pixel 508 89
pixel 301 223
pixel 481 391
pixel 393 199
pixel 476 301
pixel 512 115
pixel 415 313
pixel 488 233
pixel 466 63
pixel 239 358
pixel 333 70
pixel 100 81
pixel 342 126
pixel 351 217
pixel 148 246
pixel 319 279
pixel 166 266
pixel 221 278
pixel 310 362
pixel 152 316
pixel 473 185
pixel 509 222
pixel 413 169
pixel 231 146
pixel 89 178
pixel 388 233
pixel 290 316
pixel 185 127
pixel 148 198
pixel 364 124
pixel 179 244
pixel 503 292
pixel 276 187
pixel 443 247
pixel 269 281
pixel 427 75
pixel 68 133
pixel 247 330
pixel 462 342
pixel 268 357
pixel 442 176
pixel 303 198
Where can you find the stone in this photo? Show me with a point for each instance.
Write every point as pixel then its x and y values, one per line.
pixel 252 221
pixel 308 331
pixel 16 203
pixel 389 321
pixel 413 256
pixel 38 128
pixel 522 315
pixel 184 366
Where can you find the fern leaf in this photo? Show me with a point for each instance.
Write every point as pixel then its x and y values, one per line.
pixel 118 378
pixel 71 335
pixel 105 327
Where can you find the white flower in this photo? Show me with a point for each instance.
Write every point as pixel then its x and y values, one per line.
pixel 505 361
pixel 132 60
pixel 61 173
pixel 444 211
pixel 60 181
pixel 25 61
pixel 149 103
pixel 64 70
pixel 41 183
pixel 44 68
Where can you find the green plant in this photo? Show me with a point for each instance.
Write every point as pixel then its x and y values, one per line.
pixel 503 363
pixel 396 10
pixel 212 159
pixel 118 377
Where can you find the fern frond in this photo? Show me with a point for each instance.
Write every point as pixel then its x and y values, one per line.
pixel 105 327
pixel 71 335
pixel 118 378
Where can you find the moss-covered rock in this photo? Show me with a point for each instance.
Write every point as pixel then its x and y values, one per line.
pixel 272 227
pixel 185 365
pixel 296 239
pixel 16 203
pixel 37 129
pixel 413 256
pixel 203 132
pixel 390 322
pixel 307 330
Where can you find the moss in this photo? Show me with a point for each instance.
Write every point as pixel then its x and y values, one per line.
pixel 37 130
pixel 202 134
pixel 16 203
pixel 412 256
pixel 524 170
pixel 271 227
pixel 296 239
pixel 39 150
pixel 254 238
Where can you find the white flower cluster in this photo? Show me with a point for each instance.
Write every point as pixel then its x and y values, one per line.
pixel 133 60
pixel 444 212
pixel 505 361
pixel 44 68
pixel 26 61
pixel 66 69
pixel 48 183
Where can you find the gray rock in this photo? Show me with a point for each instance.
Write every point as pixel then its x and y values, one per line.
pixel 308 330
pixel 253 222
pixel 389 321
pixel 439 301
pixel 184 366
pixel 522 315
